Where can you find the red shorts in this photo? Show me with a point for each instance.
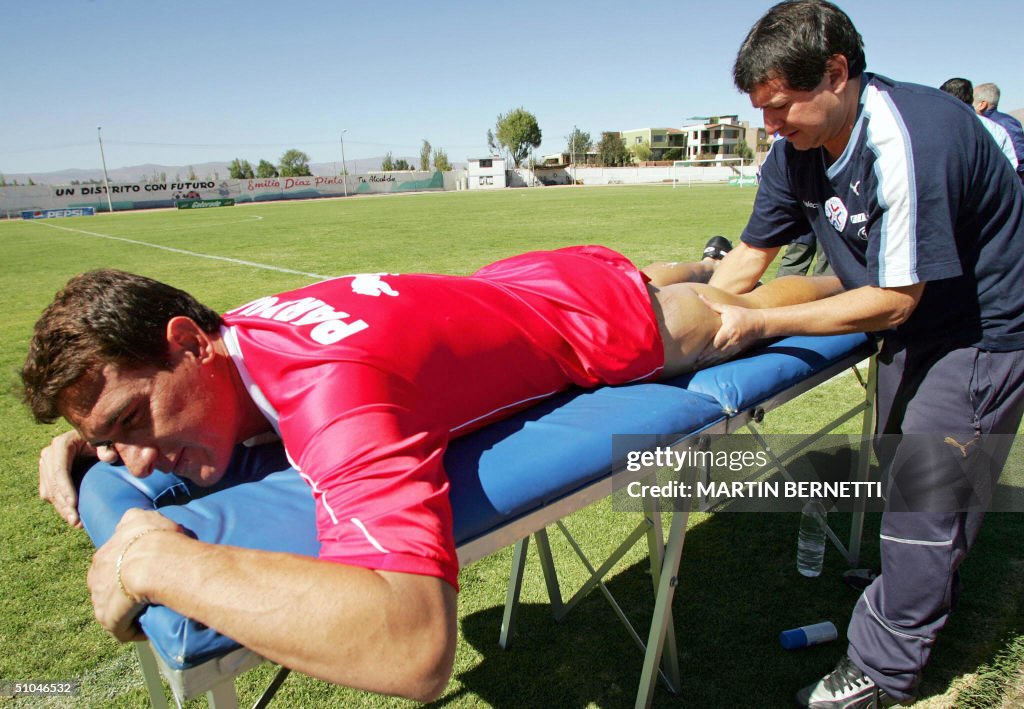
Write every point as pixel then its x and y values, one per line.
pixel 598 301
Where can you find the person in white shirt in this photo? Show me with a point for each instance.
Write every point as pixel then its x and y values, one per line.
pixel 964 90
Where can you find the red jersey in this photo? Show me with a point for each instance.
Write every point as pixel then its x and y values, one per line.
pixel 368 377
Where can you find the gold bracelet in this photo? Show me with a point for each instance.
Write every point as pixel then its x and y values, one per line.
pixel 120 561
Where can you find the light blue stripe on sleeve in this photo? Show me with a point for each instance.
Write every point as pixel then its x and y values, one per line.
pixel 896 190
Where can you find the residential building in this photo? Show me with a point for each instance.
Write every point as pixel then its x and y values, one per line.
pixel 555 160
pixel 720 136
pixel 563 159
pixel 661 140
pixel 486 173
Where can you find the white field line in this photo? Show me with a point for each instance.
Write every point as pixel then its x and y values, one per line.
pixel 197 254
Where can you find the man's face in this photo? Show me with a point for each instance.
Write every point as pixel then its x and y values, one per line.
pixel 807 119
pixel 178 420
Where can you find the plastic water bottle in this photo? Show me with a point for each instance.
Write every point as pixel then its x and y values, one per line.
pixel 808 635
pixel 810 548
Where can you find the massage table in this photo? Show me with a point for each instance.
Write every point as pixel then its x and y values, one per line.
pixel 509 481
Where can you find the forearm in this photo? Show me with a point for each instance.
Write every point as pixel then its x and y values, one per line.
pixel 865 309
pixel 741 268
pixel 384 632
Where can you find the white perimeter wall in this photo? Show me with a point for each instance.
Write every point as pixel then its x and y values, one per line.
pixel 146 195
pixel 13 200
pixel 634 175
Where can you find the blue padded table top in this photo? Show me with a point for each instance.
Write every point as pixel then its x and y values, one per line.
pixel 497 474
pixel 560 445
pixel 755 377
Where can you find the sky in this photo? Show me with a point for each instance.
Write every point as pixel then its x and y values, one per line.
pixel 187 82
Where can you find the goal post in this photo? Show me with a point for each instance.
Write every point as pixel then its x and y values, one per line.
pixel 711 170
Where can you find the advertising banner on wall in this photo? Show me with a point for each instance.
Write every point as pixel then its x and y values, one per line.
pixel 312 187
pixel 57 213
pixel 148 195
pixel 204 203
pixel 140 194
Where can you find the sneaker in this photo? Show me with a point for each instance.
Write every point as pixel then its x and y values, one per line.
pixel 716 248
pixel 845 687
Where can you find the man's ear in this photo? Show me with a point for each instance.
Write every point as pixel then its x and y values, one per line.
pixel 184 336
pixel 837 69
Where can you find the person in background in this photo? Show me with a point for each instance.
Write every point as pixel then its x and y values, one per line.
pixel 799 255
pixel 963 90
pixel 986 103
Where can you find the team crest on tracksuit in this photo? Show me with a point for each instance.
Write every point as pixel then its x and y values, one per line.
pixel 835 210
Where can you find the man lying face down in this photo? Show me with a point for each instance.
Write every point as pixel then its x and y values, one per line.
pixel 365 378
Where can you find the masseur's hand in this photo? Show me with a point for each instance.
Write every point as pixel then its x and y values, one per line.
pixel 741 328
pixel 55 462
pixel 118 567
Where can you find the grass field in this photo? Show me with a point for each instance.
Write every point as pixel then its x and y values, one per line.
pixel 738 585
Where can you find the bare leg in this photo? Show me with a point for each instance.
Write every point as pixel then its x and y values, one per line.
pixel 688 326
pixel 665 273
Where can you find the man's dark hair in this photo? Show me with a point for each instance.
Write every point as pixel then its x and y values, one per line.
pixel 793 42
pixel 961 88
pixel 99 318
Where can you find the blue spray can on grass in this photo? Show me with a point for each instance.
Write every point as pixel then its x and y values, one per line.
pixel 808 635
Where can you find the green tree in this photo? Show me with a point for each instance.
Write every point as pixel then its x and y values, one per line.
pixel 402 164
pixel 517 131
pixel 240 170
pixel 388 163
pixel 192 174
pixel 266 169
pixel 578 144
pixel 294 163
pixel 611 151
pixel 425 155
pixel 441 161
pixel 743 151
pixel 640 152
pixel 672 154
